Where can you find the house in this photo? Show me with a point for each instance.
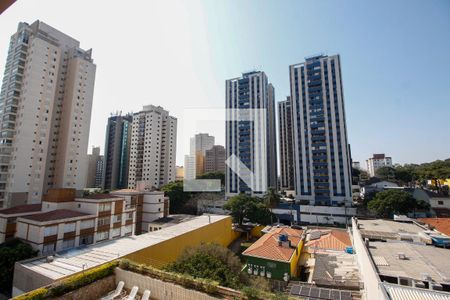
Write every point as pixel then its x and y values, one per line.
pixel 378 187
pixel 275 255
pixel 439 203
pixel 9 216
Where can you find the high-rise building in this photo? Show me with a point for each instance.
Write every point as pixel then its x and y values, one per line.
pixel 95 169
pixel 286 145
pixel 215 159
pixel 377 161
pixel 117 152
pixel 195 163
pixel 321 149
pixel 153 147
pixel 250 135
pixel 45 105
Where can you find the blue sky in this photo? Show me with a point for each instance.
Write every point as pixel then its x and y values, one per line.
pixel 395 60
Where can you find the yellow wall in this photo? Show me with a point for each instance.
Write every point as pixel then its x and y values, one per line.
pixel 295 259
pixel 165 252
pixel 256 231
pixel 441 182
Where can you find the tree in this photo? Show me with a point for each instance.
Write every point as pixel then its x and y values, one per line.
pixel 214 175
pixel 385 173
pixel 390 202
pixel 178 197
pixel 244 206
pixel 271 199
pixel 211 261
pixel 10 252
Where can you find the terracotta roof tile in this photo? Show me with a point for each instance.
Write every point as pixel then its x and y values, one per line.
pixel 125 191
pixel 27 208
pixel 441 224
pixel 57 214
pixel 267 246
pixel 100 196
pixel 331 240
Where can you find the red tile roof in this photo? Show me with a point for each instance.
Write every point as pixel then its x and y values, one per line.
pixel 125 191
pixel 331 240
pixel 27 208
pixel 57 214
pixel 267 246
pixel 441 224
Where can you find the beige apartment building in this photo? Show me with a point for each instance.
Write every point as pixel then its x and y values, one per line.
pixel 45 107
pixel 153 148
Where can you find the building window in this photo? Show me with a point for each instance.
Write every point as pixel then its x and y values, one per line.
pixel 86 240
pixel 117 218
pixel 103 221
pixel 129 216
pixel 128 230
pixel 50 230
pixel 48 249
pixel 103 235
pixel 104 207
pixel 67 244
pixel 116 232
pixel 440 202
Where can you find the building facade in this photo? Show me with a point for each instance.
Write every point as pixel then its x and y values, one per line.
pixel 321 149
pixel 287 178
pixel 377 161
pixel 95 169
pixel 153 147
pixel 117 152
pixel 195 162
pixel 250 135
pixel 45 105
pixel 215 159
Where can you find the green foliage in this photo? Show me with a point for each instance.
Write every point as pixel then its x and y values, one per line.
pixel 10 252
pixel 214 175
pixel 252 208
pixel 390 202
pixel 272 199
pixel 385 173
pixel 199 284
pixel 178 197
pixel 71 283
pixel 210 261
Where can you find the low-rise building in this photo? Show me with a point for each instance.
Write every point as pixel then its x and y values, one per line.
pixel 275 255
pixel 8 218
pixel 439 203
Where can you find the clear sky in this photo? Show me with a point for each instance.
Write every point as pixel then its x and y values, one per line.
pixel 395 59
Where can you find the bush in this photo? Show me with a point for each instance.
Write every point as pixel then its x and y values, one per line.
pixel 185 280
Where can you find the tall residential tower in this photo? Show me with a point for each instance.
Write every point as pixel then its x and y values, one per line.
pixel 321 150
pixel 287 177
pixel 250 135
pixel 195 161
pixel 45 107
pixel 153 148
pixel 117 152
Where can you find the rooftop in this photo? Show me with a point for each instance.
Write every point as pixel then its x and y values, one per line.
pixel 100 196
pixel 21 209
pixel 420 260
pixel 388 229
pixel 75 260
pixel 55 215
pixel 333 239
pixel 398 292
pixel 172 219
pixel 126 191
pixel 440 224
pixel 267 246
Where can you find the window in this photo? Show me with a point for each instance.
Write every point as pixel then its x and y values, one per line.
pixel 48 249
pixel 67 244
pixel 87 224
pixel 116 232
pixel 104 207
pixel 86 240
pixel 103 235
pixel 128 230
pixel 50 230
pixel 103 221
pixel 117 218
pixel 440 202
pixel 69 227
pixel 129 216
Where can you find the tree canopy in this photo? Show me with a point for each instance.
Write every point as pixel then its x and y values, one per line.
pixel 178 197
pixel 211 261
pixel 10 252
pixel 244 206
pixel 389 202
pixel 214 175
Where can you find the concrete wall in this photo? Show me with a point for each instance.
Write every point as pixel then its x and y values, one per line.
pixel 373 289
pixel 27 280
pixel 159 289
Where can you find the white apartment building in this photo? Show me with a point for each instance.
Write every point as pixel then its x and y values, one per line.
pixel 45 107
pixel 377 161
pixel 153 147
pixel 321 148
